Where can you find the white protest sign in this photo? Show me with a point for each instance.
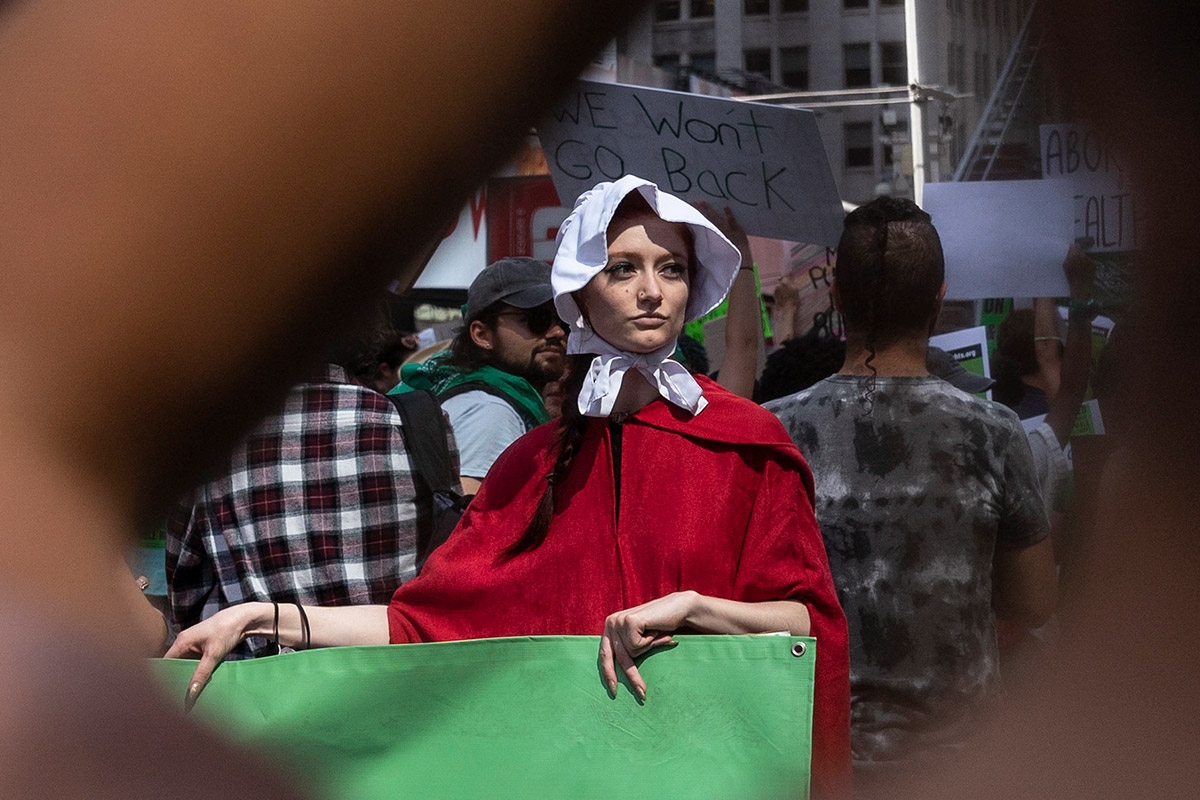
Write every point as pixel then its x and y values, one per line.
pixel 1106 208
pixel 1003 238
pixel 765 162
pixel 969 348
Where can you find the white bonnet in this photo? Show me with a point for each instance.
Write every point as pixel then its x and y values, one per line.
pixel 583 247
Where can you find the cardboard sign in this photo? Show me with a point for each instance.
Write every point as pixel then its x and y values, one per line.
pixel 811 272
pixel 767 163
pixel 1003 238
pixel 525 717
pixel 1107 210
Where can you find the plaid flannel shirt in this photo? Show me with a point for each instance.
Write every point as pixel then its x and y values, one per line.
pixel 319 507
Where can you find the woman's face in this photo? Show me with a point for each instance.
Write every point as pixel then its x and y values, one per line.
pixel 638 302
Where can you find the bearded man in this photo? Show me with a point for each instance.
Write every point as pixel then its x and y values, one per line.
pixel 490 380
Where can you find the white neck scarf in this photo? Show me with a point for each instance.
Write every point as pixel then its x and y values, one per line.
pixel 606 375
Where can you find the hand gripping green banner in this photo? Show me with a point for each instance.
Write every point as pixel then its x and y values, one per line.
pixel 724 717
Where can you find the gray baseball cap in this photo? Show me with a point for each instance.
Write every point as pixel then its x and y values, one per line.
pixel 520 282
pixel 942 365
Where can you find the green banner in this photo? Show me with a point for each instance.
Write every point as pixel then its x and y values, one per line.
pixel 725 716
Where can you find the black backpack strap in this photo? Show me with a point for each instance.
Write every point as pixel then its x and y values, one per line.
pixel 424 429
pixel 425 437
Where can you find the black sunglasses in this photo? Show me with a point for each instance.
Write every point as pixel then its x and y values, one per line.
pixel 538 320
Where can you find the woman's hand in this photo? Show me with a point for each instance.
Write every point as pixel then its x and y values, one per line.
pixel 210 641
pixel 629 633
pixel 727 222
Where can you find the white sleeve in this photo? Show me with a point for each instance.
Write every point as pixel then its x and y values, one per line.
pixel 1049 462
pixel 484 426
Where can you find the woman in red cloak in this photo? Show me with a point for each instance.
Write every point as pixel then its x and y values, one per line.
pixel 658 503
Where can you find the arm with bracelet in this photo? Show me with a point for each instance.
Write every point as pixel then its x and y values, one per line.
pixel 286 624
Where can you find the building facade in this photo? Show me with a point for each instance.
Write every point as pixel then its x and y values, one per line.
pixel 843 55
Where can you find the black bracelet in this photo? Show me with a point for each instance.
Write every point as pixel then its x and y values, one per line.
pixel 275 640
pixel 304 626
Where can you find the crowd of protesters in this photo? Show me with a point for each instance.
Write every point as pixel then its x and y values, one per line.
pixel 915 549
pixel 156 238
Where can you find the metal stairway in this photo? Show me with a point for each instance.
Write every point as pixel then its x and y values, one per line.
pixel 990 154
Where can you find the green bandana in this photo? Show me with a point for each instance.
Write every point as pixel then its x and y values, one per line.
pixel 439 376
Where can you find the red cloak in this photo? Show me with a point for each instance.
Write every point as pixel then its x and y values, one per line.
pixel 719 503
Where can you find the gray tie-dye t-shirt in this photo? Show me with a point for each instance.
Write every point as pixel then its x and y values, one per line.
pixel 913 499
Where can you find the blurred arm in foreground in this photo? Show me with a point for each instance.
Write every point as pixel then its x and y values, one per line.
pixel 191 196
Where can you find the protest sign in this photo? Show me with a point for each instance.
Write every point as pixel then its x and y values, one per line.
pixel 1088 421
pixel 726 716
pixel 1003 238
pixel 969 347
pixel 811 273
pixel 993 311
pixel 767 163
pixel 1107 210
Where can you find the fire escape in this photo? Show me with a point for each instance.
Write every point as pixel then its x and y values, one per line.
pixel 1000 148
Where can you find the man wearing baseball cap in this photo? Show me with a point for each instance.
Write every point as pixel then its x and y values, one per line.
pixel 490 380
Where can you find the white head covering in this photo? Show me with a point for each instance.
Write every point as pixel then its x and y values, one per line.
pixel 583 253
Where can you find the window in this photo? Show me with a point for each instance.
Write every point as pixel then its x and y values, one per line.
pixel 666 10
pixel 792 6
pixel 756 7
pixel 854 3
pixel 702 8
pixel 757 61
pixel 704 62
pixel 856 60
pixel 793 67
pixel 667 61
pixel 890 3
pixel 860 144
pixel 893 63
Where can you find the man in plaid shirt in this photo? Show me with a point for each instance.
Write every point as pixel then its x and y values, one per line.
pixel 319 506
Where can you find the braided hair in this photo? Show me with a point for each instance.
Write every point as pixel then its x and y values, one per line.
pixel 571 426
pixel 889 271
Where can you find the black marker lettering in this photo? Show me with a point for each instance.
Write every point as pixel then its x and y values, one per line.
pixel 593 107
pixel 676 170
pixel 565 112
pixel 582 172
pixel 664 122
pixel 768 188
pixel 616 164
